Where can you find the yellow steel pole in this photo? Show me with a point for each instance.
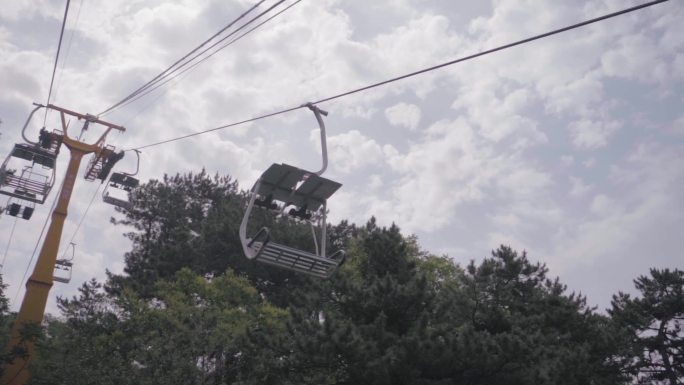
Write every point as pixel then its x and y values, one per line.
pixel 38 285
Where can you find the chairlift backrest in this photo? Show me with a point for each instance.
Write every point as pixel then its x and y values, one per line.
pixel 295 186
pixel 124 180
pixel 34 154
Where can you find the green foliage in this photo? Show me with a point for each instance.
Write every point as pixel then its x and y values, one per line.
pixel 29 332
pixel 651 328
pixel 521 328
pixel 195 331
pixel 5 322
pixel 190 309
pixel 191 221
pixel 181 221
pixel 397 316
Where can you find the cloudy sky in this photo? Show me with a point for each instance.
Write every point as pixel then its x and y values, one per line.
pixel 569 148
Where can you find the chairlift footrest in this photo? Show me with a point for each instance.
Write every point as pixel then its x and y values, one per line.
pixel 294 259
pixel 124 204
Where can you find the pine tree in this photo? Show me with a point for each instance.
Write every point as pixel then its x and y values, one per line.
pixel 651 327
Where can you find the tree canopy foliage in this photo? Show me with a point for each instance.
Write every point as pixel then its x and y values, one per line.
pixel 651 326
pixel 190 309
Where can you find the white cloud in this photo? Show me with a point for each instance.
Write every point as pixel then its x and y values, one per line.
pixel 578 187
pixel 579 97
pixel 678 67
pixel 524 182
pixel 635 57
pixel 567 160
pixel 602 205
pixel 678 126
pixel 506 220
pixel 592 134
pixel 497 239
pixel 500 112
pixel 403 115
pixel 352 151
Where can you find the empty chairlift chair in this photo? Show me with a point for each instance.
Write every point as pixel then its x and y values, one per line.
pixel 305 193
pixel 23 209
pixel 64 265
pixel 123 182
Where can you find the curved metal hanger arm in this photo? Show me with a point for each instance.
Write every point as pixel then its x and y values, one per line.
pixel 324 147
pixel 23 130
pixel 137 165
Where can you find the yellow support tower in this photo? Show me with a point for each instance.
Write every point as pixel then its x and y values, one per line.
pixel 38 285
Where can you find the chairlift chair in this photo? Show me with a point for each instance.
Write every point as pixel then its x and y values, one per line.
pixel 124 182
pixel 25 183
pixel 64 265
pixel 305 193
pixel 18 178
pixel 98 161
pixel 23 210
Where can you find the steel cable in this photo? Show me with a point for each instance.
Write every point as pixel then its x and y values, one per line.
pixel 415 73
pixel 171 67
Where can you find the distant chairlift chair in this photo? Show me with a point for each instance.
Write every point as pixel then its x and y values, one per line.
pixel 120 181
pixel 19 179
pixel 64 265
pixel 24 209
pixel 282 186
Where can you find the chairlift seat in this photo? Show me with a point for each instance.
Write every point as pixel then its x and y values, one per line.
pixel 275 254
pixel 124 204
pixel 24 193
pixel 57 278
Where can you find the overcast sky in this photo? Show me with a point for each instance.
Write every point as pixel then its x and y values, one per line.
pixel 569 148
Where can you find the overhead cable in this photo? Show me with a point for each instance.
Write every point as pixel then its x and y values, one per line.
pixel 174 73
pixel 59 47
pixel 68 47
pixel 9 242
pixel 415 73
pixel 171 67
pixel 169 79
pixel 80 222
